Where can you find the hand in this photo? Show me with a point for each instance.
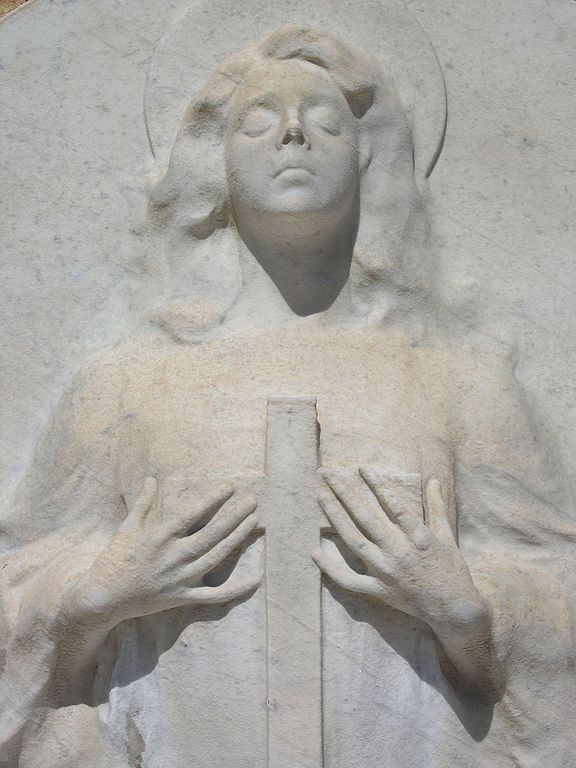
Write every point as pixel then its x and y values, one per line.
pixel 413 567
pixel 153 564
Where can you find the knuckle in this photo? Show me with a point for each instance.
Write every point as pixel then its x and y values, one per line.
pixel 167 564
pixel 192 574
pixel 208 501
pixel 238 510
pixel 157 538
pixel 250 501
pixel 217 497
pixel 178 549
pixel 422 539
pixel 189 550
pixel 397 562
pixel 178 522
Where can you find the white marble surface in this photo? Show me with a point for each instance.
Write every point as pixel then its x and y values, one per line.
pixel 76 159
pixel 405 363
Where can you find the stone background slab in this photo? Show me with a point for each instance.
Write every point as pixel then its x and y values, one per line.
pixel 75 161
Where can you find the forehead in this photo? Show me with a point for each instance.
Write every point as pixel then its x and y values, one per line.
pixel 290 81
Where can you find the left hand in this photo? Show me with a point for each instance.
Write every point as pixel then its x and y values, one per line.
pixel 413 567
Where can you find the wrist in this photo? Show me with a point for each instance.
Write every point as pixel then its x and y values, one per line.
pixel 86 608
pixel 465 619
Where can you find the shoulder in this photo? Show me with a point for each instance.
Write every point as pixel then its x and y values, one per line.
pixel 493 421
pixel 469 374
pixel 92 391
pixel 479 377
pixel 99 381
pixel 497 426
pixel 89 406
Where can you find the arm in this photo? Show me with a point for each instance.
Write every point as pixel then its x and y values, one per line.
pixel 150 565
pixel 504 483
pixel 99 565
pixel 58 513
pixel 414 568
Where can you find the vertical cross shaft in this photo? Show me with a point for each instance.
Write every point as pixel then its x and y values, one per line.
pixel 293 521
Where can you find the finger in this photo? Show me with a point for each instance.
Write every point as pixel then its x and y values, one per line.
pixel 144 501
pixel 341 573
pixel 232 589
pixel 376 526
pixel 349 533
pixel 181 524
pixel 437 511
pixel 227 519
pixel 396 510
pixel 224 548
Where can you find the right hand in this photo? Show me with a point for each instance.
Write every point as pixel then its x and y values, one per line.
pixel 153 563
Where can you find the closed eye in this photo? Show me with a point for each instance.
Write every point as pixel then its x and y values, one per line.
pixel 325 118
pixel 256 131
pixel 258 122
pixel 333 130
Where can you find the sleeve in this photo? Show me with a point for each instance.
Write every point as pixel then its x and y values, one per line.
pixel 63 508
pixel 517 534
pixel 512 487
pixel 72 477
pixel 499 426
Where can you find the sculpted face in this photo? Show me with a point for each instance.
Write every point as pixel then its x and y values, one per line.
pixel 292 141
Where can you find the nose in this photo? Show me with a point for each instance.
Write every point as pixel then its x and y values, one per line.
pixel 292 132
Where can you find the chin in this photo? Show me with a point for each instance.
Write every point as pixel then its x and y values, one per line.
pixel 296 201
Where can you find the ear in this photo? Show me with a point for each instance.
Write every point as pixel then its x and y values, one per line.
pixel 365 156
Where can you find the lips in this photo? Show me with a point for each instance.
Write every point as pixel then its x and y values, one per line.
pixel 293 168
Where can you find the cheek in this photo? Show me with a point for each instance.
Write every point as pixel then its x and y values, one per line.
pixel 349 154
pixel 342 167
pixel 245 165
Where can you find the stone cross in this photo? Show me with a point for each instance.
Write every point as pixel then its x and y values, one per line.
pixel 293 521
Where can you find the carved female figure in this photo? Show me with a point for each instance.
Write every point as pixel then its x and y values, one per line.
pixel 132 636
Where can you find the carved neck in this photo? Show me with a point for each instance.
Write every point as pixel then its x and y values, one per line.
pixel 305 261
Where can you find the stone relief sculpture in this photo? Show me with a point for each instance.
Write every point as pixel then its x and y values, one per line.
pixel 297 520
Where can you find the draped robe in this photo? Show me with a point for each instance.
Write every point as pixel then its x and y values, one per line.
pixel 187 687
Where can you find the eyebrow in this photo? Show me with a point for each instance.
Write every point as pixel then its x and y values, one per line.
pixel 269 97
pixel 260 100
